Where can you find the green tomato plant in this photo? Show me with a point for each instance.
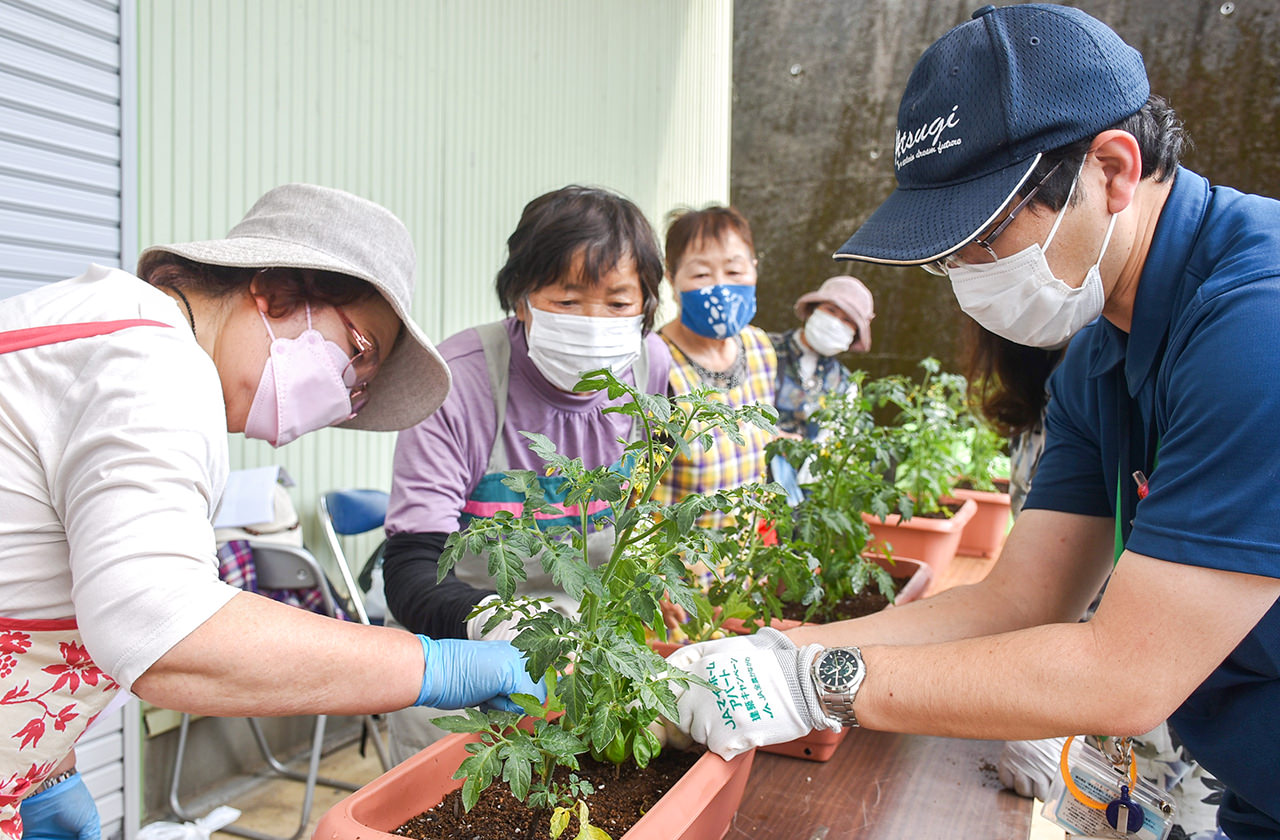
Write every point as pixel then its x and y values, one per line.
pixel 927 432
pixel 984 453
pixel 846 470
pixel 605 685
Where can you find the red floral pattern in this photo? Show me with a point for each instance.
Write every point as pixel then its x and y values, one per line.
pixel 50 691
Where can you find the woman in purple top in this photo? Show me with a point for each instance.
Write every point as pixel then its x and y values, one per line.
pixel 581 278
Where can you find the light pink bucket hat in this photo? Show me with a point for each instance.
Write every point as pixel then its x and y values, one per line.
pixel 851 297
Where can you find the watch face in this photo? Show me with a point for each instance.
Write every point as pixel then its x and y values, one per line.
pixel 838 668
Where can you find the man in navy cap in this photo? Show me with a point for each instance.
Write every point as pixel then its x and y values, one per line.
pixel 1039 175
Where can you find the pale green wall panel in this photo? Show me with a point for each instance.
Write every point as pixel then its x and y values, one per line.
pixel 452 114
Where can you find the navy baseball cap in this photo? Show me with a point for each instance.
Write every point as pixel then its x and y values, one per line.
pixel 983 103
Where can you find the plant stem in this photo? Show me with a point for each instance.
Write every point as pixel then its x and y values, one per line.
pixel 623 539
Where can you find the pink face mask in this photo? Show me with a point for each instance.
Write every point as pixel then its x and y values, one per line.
pixel 301 389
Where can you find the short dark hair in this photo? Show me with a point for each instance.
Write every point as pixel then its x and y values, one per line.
pixel 603 226
pixel 289 288
pixel 686 226
pixel 1161 139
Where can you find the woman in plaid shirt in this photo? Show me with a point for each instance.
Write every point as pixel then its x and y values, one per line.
pixel 711 263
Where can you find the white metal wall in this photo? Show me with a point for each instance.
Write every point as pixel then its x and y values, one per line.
pixel 452 114
pixel 65 148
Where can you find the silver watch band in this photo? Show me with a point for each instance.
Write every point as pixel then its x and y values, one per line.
pixel 840 707
pixel 53 780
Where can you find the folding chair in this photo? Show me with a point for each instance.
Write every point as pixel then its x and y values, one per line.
pixel 278 567
pixel 349 513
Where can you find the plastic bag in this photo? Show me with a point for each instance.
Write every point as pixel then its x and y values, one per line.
pixel 201 829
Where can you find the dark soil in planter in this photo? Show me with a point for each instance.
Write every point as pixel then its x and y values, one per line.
pixel 1002 484
pixel 866 602
pixel 950 510
pixel 617 804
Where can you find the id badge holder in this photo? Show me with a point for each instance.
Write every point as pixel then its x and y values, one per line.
pixel 1109 800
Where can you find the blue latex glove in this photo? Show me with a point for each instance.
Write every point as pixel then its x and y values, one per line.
pixel 461 673
pixel 63 812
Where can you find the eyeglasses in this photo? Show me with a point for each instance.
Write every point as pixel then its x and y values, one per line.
pixel 361 367
pixel 987 255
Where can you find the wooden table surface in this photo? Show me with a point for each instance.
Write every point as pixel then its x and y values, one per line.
pixel 881 786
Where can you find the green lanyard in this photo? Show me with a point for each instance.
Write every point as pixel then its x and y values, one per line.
pixel 1142 494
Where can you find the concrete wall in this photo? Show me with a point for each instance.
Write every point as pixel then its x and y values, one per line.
pixel 816 91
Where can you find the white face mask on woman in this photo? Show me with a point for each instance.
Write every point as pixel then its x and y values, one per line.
pixel 826 334
pixel 1020 299
pixel 563 347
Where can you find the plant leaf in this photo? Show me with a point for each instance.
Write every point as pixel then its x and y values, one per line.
pixel 559 821
pixel 471 720
pixel 517 768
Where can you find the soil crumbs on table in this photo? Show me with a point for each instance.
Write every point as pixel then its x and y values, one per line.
pixel 616 805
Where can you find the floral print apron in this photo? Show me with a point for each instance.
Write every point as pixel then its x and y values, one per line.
pixel 50 689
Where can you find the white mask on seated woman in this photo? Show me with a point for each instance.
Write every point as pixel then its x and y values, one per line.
pixel 826 334
pixel 563 347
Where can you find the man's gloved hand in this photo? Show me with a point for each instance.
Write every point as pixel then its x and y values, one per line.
pixel 1029 767
pixel 63 812
pixel 765 692
pixel 460 673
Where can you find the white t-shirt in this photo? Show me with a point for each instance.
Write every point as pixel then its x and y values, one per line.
pixel 113 456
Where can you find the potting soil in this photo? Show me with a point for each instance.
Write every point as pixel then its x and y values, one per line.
pixel 616 806
pixel 866 602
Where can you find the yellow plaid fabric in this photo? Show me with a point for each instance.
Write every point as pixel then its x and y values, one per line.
pixel 725 464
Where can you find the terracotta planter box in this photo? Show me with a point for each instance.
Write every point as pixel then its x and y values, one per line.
pixel 699 807
pixel 984 535
pixel 932 541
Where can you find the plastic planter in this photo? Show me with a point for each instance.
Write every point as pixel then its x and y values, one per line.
pixel 699 807
pixel 984 535
pixel 932 541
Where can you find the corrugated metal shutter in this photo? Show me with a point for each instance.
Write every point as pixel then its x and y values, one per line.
pixel 64 132
pixel 60 139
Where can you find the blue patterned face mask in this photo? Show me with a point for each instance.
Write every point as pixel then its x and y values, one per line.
pixel 718 311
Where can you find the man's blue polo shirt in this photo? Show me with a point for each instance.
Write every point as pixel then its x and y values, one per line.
pixel 1199 377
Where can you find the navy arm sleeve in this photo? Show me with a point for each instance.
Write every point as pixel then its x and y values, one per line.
pixel 409 569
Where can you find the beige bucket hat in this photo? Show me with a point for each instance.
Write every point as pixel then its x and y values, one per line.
pixel 321 228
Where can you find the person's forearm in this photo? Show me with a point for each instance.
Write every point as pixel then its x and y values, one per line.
pixel 417 600
pixel 257 657
pixel 1160 631
pixel 1037 580
pixel 1035 683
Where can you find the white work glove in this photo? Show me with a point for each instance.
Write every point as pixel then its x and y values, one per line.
pixel 765 692
pixel 504 630
pixel 1029 767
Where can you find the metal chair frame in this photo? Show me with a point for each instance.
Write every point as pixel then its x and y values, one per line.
pixel 279 567
pixel 367 501
pixel 367 510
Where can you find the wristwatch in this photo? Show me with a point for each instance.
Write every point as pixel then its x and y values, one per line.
pixel 53 780
pixel 838 673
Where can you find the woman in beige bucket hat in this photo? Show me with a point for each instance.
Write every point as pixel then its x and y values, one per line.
pixel 119 394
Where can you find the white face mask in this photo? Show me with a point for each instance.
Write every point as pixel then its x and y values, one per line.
pixel 826 334
pixel 563 347
pixel 1020 299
